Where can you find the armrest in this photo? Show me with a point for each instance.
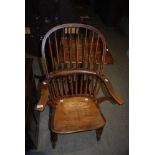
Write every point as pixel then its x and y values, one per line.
pixel 43 98
pixel 114 96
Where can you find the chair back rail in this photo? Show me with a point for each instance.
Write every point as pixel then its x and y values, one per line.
pixel 73 47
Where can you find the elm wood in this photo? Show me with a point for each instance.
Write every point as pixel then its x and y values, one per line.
pixel 69 49
pixel 69 38
pixel 108 85
pixel 71 84
pixel 63 43
pixel 61 88
pixel 90 51
pixel 54 138
pixel 77 44
pixel 105 98
pixel 81 83
pixel 86 85
pixel 92 85
pixel 113 97
pixel 99 133
pixel 108 57
pixel 70 78
pixel 52 90
pixel 102 60
pixel 76 85
pixel 65 86
pixel 77 77
pixel 70 72
pixel 82 52
pixel 81 49
pixel 75 106
pixel 51 52
pixel 118 99
pixel 95 87
pixel 76 114
pixel 55 83
pixel 84 55
pixel 85 41
pixel 96 91
pixel 43 98
pixel 56 45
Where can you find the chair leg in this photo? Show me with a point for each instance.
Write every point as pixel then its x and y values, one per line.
pixel 99 133
pixel 54 138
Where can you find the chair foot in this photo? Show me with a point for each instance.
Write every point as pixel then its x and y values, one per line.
pixel 54 138
pixel 99 133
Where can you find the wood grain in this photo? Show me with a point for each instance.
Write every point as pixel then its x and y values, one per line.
pixel 78 54
pixel 76 114
pixel 43 98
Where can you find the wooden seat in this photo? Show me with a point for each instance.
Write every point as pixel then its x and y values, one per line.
pixel 73 58
pixel 76 114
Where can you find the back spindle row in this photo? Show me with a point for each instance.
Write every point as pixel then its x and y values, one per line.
pixel 86 85
pixel 74 48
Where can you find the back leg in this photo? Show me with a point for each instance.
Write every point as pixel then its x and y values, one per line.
pixel 54 138
pixel 99 133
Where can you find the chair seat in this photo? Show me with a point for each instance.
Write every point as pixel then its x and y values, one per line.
pixel 75 114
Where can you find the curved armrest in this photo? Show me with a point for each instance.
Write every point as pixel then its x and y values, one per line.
pixel 43 98
pixel 114 96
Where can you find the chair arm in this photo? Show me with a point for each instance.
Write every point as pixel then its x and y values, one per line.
pixel 114 96
pixel 43 98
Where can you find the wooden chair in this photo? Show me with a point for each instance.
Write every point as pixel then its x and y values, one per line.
pixel 73 58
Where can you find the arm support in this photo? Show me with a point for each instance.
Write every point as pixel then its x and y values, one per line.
pixel 105 81
pixel 43 98
pixel 113 95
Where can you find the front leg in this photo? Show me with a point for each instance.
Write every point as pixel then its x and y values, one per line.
pixel 54 138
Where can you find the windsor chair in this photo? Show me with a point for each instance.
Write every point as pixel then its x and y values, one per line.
pixel 73 56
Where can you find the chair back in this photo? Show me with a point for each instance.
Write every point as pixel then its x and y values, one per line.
pixel 73 54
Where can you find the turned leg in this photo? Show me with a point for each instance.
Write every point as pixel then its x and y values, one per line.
pixel 54 138
pixel 99 133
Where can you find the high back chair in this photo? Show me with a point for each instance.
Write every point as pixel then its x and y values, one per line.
pixel 73 60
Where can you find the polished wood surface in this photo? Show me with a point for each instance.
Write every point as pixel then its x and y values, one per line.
pixel 108 58
pixel 94 54
pixel 73 59
pixel 43 97
pixel 76 114
pixel 73 48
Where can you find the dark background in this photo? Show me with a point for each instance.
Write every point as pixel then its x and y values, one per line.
pixel 41 15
